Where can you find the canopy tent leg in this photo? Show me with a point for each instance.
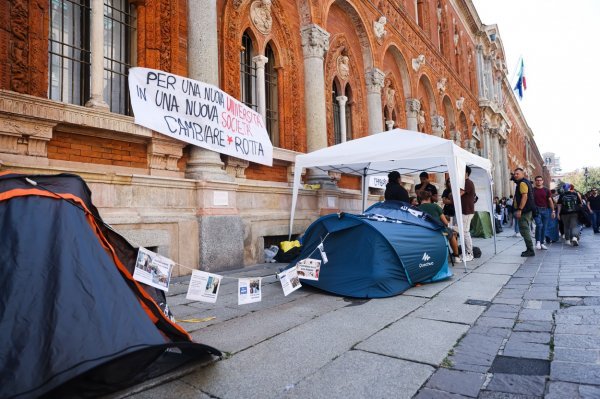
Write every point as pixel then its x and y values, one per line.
pixel 492 215
pixel 364 190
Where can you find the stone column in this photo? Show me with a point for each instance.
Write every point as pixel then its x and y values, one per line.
pixel 413 106
pixel 375 80
pixel 497 164
pixel 97 56
pixel 389 125
pixel 315 42
pixel 203 65
pixel 260 61
pixel 437 125
pixel 506 172
pixel 342 104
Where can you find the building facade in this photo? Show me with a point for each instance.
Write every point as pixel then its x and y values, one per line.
pixel 319 73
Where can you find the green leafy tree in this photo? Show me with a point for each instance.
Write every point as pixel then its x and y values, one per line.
pixel 578 179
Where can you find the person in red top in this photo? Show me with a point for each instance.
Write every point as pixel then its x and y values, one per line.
pixel 545 207
pixel 467 202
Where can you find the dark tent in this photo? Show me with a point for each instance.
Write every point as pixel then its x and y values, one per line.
pixel 73 322
pixel 378 254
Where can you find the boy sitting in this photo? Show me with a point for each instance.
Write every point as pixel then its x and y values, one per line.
pixel 436 213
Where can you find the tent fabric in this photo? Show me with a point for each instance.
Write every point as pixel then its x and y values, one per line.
pixel 481 225
pixel 74 322
pixel 372 256
pixel 405 151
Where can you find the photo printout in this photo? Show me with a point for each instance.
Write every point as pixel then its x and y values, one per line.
pixel 249 290
pixel 153 269
pixel 204 286
pixel 308 269
pixel 290 281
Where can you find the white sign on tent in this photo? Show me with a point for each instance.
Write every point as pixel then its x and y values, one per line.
pixel 378 181
pixel 198 113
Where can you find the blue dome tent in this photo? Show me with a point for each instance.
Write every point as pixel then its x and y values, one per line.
pixel 379 254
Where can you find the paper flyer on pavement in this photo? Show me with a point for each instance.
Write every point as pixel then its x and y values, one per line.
pixel 289 281
pixel 249 290
pixel 308 269
pixel 153 269
pixel 204 286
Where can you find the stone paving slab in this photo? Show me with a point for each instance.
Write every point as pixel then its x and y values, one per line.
pixel 532 385
pixel 358 374
pixel 458 382
pixel 259 326
pixel 499 268
pixel 412 338
pixel 283 359
pixel 450 309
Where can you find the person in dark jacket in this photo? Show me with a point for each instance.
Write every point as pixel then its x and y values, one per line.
pixel 524 205
pixel 394 190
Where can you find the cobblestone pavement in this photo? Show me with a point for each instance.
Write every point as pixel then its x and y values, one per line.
pixel 539 337
pixel 510 328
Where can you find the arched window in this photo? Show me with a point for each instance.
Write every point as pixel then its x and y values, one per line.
pixel 247 73
pixel 349 106
pixel 118 28
pixel 337 128
pixel 272 100
pixel 421 11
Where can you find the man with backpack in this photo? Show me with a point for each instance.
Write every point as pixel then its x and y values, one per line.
pixel 568 211
pixel 524 205
pixel 594 207
pixel 545 211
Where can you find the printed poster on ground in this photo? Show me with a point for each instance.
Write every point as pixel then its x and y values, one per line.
pixel 249 290
pixel 198 113
pixel 153 269
pixel 204 286
pixel 290 281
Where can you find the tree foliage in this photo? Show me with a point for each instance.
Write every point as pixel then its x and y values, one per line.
pixel 578 179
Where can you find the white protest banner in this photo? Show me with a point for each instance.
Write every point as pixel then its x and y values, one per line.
pixel 289 280
pixel 198 113
pixel 249 290
pixel 153 269
pixel 308 269
pixel 378 181
pixel 204 286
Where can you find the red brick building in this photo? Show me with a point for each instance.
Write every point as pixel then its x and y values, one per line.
pixel 319 72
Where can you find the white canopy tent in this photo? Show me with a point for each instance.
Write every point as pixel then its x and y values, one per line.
pixel 407 152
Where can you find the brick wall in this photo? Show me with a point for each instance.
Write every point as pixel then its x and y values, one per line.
pixel 261 172
pixel 350 182
pixel 97 150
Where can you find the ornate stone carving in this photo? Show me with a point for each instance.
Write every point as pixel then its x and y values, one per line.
pixel 413 106
pixel 166 19
pixel 237 3
pixel 390 97
pixel 236 167
pixel 163 153
pixel 25 137
pixel 343 66
pixel 456 136
pixel 472 116
pixel 441 85
pixel 375 80
pixel 19 24
pixel 418 62
pixel 459 103
pixel 438 125
pixel 471 145
pixel 421 121
pixel 315 41
pixel 260 14
pixel 379 29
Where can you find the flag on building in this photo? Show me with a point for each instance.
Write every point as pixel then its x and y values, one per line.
pixel 521 82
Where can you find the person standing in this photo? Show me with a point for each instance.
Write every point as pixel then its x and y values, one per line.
pixel 545 211
pixel 448 209
pixel 568 212
pixel 594 207
pixel 524 205
pixel 427 186
pixel 467 201
pixel 393 189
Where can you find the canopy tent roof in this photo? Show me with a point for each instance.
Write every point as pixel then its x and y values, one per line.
pixel 402 150
pixel 405 151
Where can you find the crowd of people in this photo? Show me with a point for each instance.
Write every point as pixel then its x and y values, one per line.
pixel 550 214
